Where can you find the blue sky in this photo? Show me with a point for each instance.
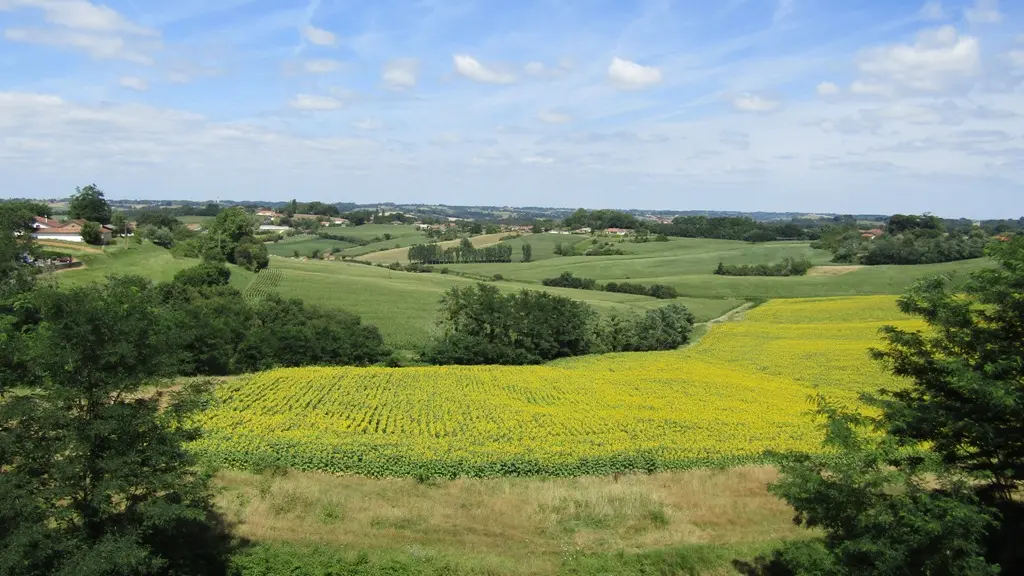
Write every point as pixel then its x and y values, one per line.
pixel 805 105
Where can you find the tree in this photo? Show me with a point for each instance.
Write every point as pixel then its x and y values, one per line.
pixel 251 254
pixel 234 224
pixel 946 453
pixel 92 233
pixel 95 478
pixel 88 204
pixel 16 275
pixel 527 252
pixel 119 222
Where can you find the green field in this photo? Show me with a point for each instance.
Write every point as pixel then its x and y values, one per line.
pixel 401 236
pixel 688 265
pixel 204 220
pixel 404 305
pixel 146 259
pixel 305 245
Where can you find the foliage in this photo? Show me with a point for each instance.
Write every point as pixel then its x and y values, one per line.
pixel 907 240
pixel 480 325
pixel 787 267
pixel 732 228
pixel 944 459
pixel 251 254
pixel 567 280
pixel 527 252
pixel 87 203
pixel 160 236
pixel 92 233
pixel 736 397
pixel 95 479
pixel 16 245
pixel 884 508
pixel 232 233
pixel 600 220
pixel 660 291
pixel 966 397
pixel 464 253
pixel 663 328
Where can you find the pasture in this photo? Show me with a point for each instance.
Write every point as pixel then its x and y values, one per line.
pixel 404 305
pixel 305 245
pixel 740 393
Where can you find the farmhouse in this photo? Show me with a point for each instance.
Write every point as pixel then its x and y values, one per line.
pixel 584 230
pixel 339 222
pixel 70 231
pixel 872 234
pixel 268 213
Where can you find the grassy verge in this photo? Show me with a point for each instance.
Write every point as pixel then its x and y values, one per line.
pixel 669 523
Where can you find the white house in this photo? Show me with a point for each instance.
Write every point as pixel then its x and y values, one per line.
pixel 273 228
pixel 70 231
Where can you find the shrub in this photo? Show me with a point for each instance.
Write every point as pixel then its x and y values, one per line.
pixel 788 267
pixel 567 280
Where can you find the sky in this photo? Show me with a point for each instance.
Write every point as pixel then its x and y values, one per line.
pixel 852 106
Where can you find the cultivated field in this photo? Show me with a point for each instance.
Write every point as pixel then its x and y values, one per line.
pixel 404 305
pixel 739 394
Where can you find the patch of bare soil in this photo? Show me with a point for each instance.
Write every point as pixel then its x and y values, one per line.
pixel 832 270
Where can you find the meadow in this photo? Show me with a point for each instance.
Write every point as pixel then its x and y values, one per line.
pixel 305 245
pixel 737 396
pixel 404 305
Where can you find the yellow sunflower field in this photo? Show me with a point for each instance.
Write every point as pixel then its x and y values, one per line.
pixel 738 396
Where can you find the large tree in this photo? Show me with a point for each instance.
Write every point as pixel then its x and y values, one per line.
pixel 88 204
pixel 95 478
pixel 931 485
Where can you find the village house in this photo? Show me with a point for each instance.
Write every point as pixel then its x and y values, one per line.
pixel 871 234
pixel 69 231
pixel 268 213
pixel 584 230
pixel 339 222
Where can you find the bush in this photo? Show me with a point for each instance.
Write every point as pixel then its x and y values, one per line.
pixel 661 291
pixel 567 280
pixel 788 267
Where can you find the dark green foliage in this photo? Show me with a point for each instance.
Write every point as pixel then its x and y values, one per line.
pixel 885 509
pixel 664 328
pixel 900 223
pixel 95 480
pixel 966 397
pixel 232 234
pixel 160 236
pixel 788 267
pixel 527 252
pixel 567 280
pixel 465 253
pixel 733 228
pixel 16 274
pixel 251 254
pixel 157 218
pixel 483 326
pixel 602 249
pixel 913 248
pixel 932 488
pixel 87 203
pixel 600 219
pixel 206 274
pixel 661 291
pixel 92 233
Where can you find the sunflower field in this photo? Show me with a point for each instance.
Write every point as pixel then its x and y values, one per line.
pixel 737 396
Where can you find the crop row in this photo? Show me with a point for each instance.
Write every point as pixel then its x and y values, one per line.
pixel 738 396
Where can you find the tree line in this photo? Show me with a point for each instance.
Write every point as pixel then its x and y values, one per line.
pixel 568 280
pixel 464 253
pixel 480 325
pixel 787 267
pixel 906 240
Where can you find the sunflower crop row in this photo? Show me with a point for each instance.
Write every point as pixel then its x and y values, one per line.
pixel 739 395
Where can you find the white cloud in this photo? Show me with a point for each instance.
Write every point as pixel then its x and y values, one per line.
pixel 554 117
pixel 1016 58
pixel 319 36
pixel 321 66
pixel 81 15
pixel 754 103
pixel 629 75
pixel 937 60
pixel 400 74
pixel 134 83
pixel 534 68
pixel 932 10
pixel 314 103
pixel 827 89
pixel 870 89
pixel 475 70
pixel 369 124
pixel 100 47
pixel 984 12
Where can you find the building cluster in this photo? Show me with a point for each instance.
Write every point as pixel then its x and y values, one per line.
pixel 66 231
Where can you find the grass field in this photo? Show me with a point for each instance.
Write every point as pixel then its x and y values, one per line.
pixel 515 526
pixel 401 236
pixel 739 393
pixel 305 245
pixel 204 220
pixel 146 259
pixel 404 305
pixel 688 265
pixel 401 255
